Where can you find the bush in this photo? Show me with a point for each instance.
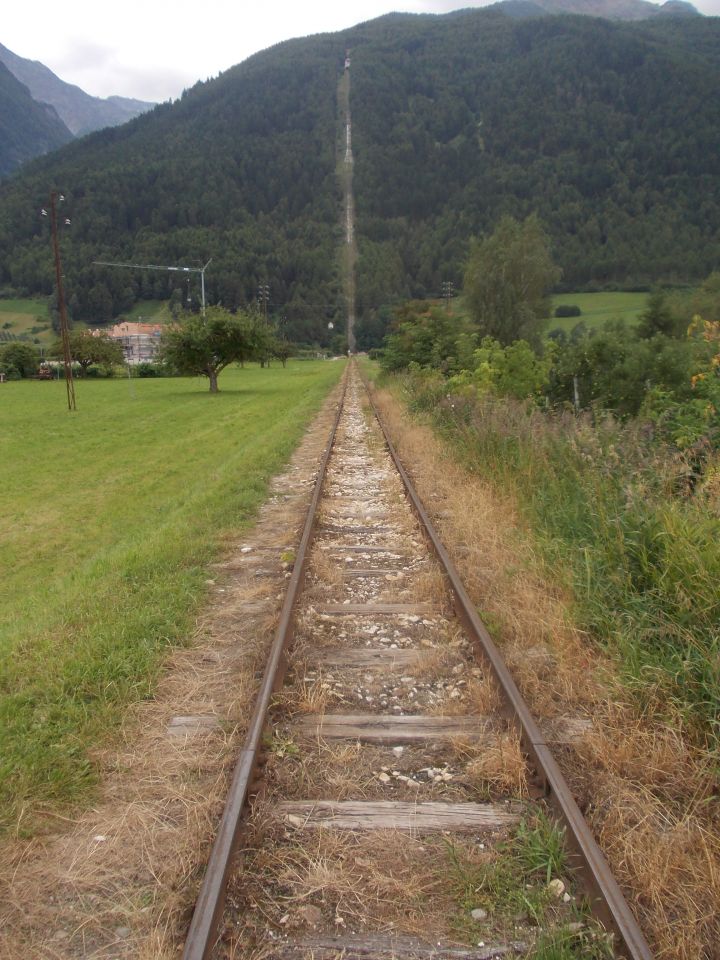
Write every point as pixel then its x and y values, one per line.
pixel 568 310
pixel 21 356
pixel 10 372
pixel 149 370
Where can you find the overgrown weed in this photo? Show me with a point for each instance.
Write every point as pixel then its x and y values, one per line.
pixel 612 511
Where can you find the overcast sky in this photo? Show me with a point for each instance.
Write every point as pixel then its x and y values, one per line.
pixel 153 49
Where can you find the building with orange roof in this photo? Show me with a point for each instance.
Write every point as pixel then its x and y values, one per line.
pixel 140 341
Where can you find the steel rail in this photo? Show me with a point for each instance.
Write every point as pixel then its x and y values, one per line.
pixel 207 916
pixel 607 901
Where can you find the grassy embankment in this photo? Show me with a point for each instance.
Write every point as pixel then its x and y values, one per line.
pixel 26 319
pixel 597 309
pixel 612 515
pixel 110 517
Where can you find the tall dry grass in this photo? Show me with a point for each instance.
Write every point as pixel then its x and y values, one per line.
pixel 647 772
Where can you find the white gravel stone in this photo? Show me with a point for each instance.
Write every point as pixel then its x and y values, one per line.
pixel 556 888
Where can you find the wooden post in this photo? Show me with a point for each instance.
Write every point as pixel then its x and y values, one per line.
pixel 64 331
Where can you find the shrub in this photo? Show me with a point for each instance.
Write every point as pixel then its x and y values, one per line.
pixel 149 370
pixel 10 371
pixel 21 356
pixel 568 310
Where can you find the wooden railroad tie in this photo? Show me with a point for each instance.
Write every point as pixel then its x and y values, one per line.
pixel 381 728
pixel 417 728
pixel 374 946
pixel 377 609
pixel 396 815
pixel 358 658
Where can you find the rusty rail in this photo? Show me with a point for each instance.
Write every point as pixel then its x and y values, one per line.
pixel 207 915
pixel 607 901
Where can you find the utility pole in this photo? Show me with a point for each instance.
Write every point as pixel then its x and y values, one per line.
pixel 448 290
pixel 64 330
pixel 263 298
pixel 576 394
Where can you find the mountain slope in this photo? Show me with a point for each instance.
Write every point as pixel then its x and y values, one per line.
pixel 241 169
pixel 27 128
pixel 608 130
pixel 80 112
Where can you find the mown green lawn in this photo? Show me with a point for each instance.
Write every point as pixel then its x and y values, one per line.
pixel 597 308
pixel 108 519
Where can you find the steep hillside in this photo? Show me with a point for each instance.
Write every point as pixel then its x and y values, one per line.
pixel 27 128
pixel 80 112
pixel 608 130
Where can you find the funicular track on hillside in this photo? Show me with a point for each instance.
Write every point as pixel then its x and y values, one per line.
pixel 369 681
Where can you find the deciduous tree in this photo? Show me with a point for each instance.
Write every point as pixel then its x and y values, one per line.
pixel 204 346
pixel 507 278
pixel 87 348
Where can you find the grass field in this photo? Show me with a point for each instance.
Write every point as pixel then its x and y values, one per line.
pixel 109 517
pixel 18 318
pixel 597 308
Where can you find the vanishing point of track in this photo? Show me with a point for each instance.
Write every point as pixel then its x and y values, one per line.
pixel 375 640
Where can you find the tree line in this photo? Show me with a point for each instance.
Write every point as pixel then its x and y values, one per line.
pixel 665 369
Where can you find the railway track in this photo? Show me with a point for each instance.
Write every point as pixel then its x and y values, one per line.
pixel 394 797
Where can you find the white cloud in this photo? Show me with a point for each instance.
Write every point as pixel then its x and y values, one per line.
pixel 153 50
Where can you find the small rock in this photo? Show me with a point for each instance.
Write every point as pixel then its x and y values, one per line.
pixel 478 914
pixel 245 549
pixel 398 751
pixel 383 778
pixel 556 888
pixel 310 915
pixel 566 898
pixel 122 933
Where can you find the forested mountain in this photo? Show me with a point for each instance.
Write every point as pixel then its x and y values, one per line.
pixel 27 128
pixel 80 112
pixel 608 130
